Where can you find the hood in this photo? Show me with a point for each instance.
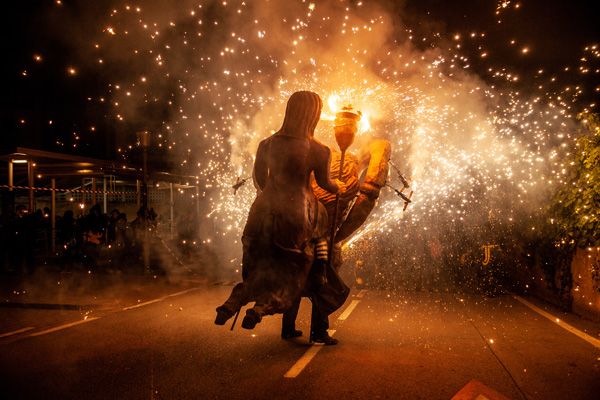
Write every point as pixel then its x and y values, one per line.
pixel 302 114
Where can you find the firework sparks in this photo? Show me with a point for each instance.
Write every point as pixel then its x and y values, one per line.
pixel 224 70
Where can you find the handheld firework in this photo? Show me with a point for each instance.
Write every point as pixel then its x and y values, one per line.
pixel 405 186
pixel 239 182
pixel 345 127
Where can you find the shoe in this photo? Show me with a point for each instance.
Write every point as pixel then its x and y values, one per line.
pixel 223 314
pixel 291 334
pixel 323 339
pixel 251 319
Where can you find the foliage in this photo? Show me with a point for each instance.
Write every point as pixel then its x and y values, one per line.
pixel 576 206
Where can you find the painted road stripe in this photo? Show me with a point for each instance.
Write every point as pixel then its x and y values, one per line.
pixel 65 326
pixel 182 292
pixel 361 293
pixel 305 359
pixel 315 348
pixel 16 332
pixel 590 339
pixel 348 310
pixel 159 299
pixel 143 304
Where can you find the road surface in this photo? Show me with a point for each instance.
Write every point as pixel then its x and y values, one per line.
pixel 393 345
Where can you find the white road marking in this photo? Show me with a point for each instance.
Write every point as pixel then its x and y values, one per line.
pixel 143 304
pixel 159 299
pixel 305 359
pixel 348 310
pixel 590 339
pixel 65 326
pixel 315 348
pixel 16 332
pixel 361 293
pixel 182 292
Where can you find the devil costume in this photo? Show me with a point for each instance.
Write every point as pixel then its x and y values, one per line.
pixel 285 218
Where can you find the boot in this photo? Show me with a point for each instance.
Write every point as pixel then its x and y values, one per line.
pixel 290 334
pixel 323 338
pixel 223 314
pixel 251 319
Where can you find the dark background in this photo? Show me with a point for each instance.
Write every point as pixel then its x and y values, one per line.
pixel 556 32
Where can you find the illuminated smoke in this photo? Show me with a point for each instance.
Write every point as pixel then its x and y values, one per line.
pixel 224 70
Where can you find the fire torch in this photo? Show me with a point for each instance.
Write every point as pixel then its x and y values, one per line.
pixel 345 127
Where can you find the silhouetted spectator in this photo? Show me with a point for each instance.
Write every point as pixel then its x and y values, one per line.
pixel 23 235
pixel 112 225
pixel 66 228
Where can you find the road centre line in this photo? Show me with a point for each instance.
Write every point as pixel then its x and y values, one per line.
pixel 65 326
pixel 3 335
pixel 79 322
pixel 582 335
pixel 315 348
pixel 159 299
pixel 143 304
pixel 182 292
pixel 299 366
pixel 348 310
pixel 361 293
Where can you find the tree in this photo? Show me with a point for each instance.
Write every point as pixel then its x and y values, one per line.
pixel 576 205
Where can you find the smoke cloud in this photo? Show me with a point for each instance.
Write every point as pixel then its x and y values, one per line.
pixel 211 79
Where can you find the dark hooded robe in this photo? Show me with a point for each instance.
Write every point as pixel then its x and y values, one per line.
pixel 285 216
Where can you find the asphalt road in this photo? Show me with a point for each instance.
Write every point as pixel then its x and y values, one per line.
pixel 393 345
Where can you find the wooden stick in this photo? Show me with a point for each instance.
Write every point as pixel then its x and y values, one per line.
pixel 335 213
pixel 237 314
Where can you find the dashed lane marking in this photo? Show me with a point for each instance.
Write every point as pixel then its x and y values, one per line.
pixel 65 326
pixel 89 319
pixel 3 335
pixel 348 310
pixel 590 339
pixel 305 359
pixel 182 292
pixel 145 303
pixel 315 348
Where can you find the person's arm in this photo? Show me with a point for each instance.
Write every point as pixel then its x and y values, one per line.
pixel 261 170
pixel 321 168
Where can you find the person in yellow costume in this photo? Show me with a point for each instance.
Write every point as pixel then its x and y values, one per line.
pixel 325 288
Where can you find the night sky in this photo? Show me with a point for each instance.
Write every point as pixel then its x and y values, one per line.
pixel 478 99
pixel 555 31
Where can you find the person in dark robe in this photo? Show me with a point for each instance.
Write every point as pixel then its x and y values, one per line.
pixel 278 239
pixel 325 288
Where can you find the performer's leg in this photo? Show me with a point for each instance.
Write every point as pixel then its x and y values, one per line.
pixel 319 326
pixel 288 323
pixel 232 305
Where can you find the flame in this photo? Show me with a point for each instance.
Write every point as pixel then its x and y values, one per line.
pixel 335 102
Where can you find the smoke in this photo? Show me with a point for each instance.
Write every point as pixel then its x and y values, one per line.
pixel 211 80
